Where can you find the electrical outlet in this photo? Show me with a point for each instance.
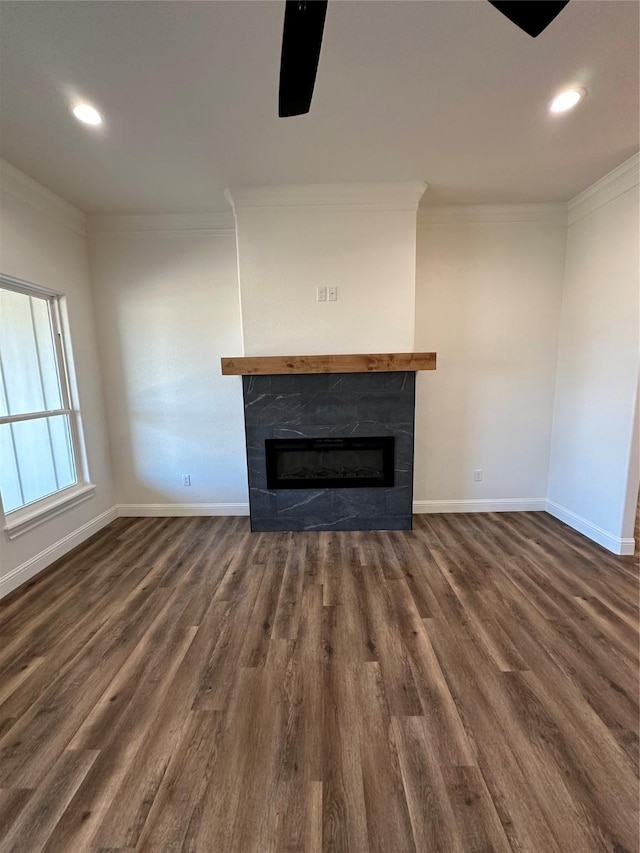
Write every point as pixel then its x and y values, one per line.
pixel 186 479
pixel 322 294
pixel 477 475
pixel 332 294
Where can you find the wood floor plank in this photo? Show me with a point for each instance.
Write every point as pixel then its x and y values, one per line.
pixel 606 622
pixel 455 567
pixel 474 812
pixel 499 740
pixel 260 627
pixel 271 765
pixel 614 703
pixel 388 821
pixel 183 786
pixel 562 747
pixel 285 625
pixel 43 810
pixel 14 676
pixel 12 802
pixel 532 637
pixel 137 684
pixel 413 570
pixel 186 685
pixel 124 821
pixel 432 818
pixel 120 744
pixel 213 818
pixel 219 676
pixel 344 824
pixel 31 747
pixel 300 818
pixel 402 693
pixel 445 733
pixel 303 734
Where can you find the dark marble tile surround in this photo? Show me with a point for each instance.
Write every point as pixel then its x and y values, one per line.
pixel 333 404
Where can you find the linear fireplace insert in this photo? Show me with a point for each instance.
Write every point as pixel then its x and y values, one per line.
pixel 304 463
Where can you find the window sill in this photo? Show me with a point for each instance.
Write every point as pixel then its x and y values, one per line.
pixel 26 518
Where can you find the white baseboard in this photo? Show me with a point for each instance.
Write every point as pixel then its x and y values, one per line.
pixel 591 531
pixel 483 505
pixel 172 510
pixel 40 561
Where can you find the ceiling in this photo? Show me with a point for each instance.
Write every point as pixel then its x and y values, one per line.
pixel 445 91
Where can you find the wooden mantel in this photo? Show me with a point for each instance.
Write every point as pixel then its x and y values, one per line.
pixel 354 363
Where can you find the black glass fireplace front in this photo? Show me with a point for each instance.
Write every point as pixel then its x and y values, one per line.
pixel 305 463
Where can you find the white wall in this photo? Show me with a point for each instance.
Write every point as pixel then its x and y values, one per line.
pixel 591 456
pixel 167 310
pixel 292 240
pixel 488 295
pixel 42 242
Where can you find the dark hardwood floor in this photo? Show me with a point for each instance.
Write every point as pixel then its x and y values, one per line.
pixel 184 685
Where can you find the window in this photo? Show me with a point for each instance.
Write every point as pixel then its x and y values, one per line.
pixel 41 469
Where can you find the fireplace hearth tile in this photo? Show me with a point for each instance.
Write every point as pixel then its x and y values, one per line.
pixel 396 499
pixel 279 409
pixel 263 503
pixel 255 438
pixel 353 502
pixel 381 522
pixel 322 408
pixel 384 406
pixel 303 501
pixel 316 524
pixel 317 431
pixel 276 524
pixel 316 383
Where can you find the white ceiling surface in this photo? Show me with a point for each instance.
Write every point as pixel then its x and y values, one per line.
pixel 446 91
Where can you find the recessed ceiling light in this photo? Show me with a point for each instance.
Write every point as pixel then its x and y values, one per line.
pixel 87 114
pixel 567 100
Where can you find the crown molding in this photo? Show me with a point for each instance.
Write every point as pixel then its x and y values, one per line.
pixel 624 177
pixel 221 223
pixel 36 195
pixel 553 214
pixel 376 196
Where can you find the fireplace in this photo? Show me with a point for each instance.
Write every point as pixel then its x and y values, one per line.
pixel 291 418
pixel 327 462
pixel 330 439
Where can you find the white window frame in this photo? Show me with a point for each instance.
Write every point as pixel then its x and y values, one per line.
pixel 26 517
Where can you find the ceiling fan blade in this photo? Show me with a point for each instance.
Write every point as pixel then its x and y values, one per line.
pixel 532 16
pixel 301 42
